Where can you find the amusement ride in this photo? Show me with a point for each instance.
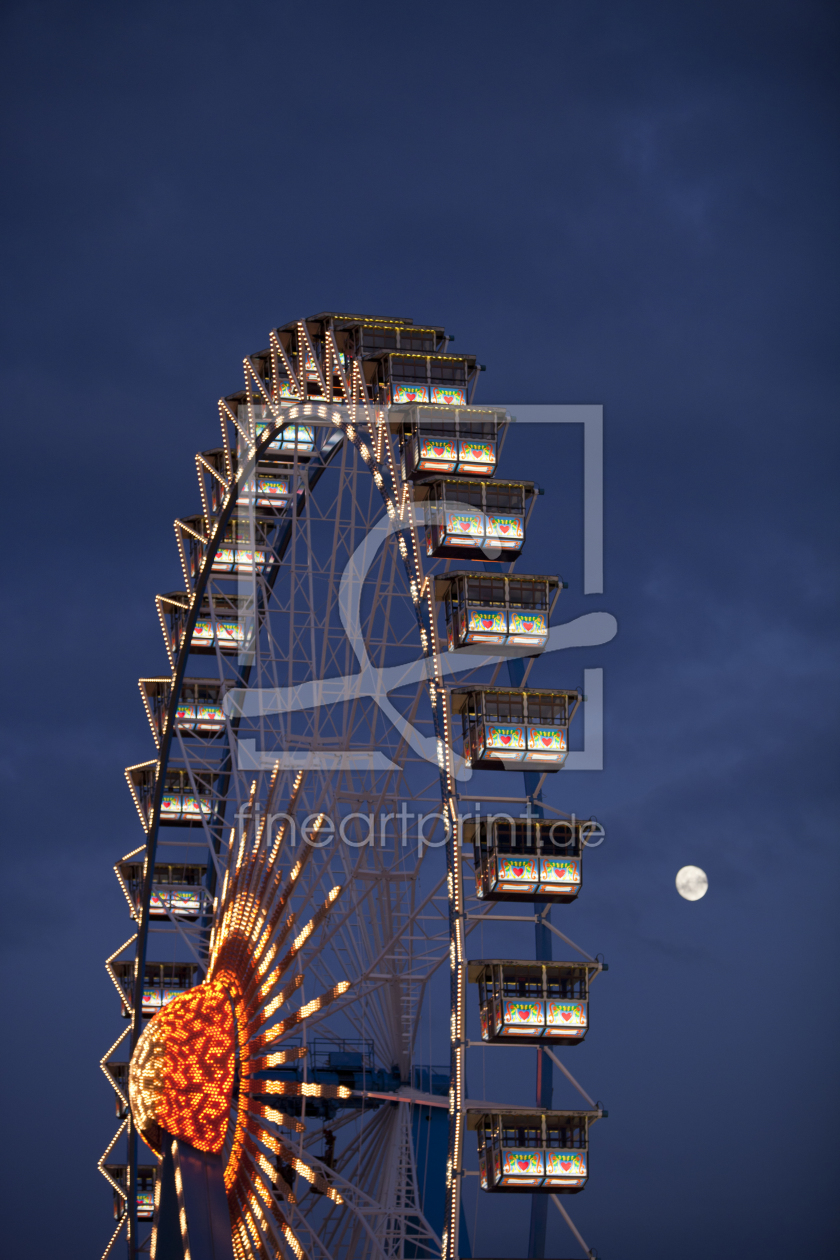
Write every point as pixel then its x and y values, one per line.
pixel 315 847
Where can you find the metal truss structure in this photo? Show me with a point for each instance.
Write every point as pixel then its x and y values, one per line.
pixel 304 721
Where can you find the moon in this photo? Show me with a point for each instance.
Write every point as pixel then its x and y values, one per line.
pixel 692 883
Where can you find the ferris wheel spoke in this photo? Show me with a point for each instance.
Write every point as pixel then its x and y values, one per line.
pixel 392 939
pixel 359 1210
pixel 367 1154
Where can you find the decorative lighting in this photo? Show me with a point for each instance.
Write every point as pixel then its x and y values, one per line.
pixel 183 1071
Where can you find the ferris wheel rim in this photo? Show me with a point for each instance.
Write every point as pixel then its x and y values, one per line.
pixel 178 678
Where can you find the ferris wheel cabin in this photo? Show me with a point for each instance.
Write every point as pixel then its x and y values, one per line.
pixel 245 547
pixel 506 728
pixel 199 710
pixel 294 441
pixel 178 888
pixel 162 981
pixel 453 439
pixel 439 378
pixel 497 610
pixel 522 1002
pixel 527 859
pixel 187 800
pixel 407 364
pixel 146 1176
pixel 220 625
pixel 474 520
pixel 531 1150
pixel 268 488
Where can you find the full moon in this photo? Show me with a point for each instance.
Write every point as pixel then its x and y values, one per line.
pixel 692 883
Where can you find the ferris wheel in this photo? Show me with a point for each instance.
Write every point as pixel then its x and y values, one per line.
pixel 290 905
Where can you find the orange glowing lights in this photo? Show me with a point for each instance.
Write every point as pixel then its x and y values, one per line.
pixel 181 1074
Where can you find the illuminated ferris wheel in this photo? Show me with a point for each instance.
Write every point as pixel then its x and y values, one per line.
pixel 291 906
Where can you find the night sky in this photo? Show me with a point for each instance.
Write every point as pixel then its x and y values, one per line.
pixel 627 204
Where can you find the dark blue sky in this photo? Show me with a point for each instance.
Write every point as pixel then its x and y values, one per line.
pixel 627 204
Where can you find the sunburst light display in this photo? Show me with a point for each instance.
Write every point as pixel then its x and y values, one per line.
pixel 201 1070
